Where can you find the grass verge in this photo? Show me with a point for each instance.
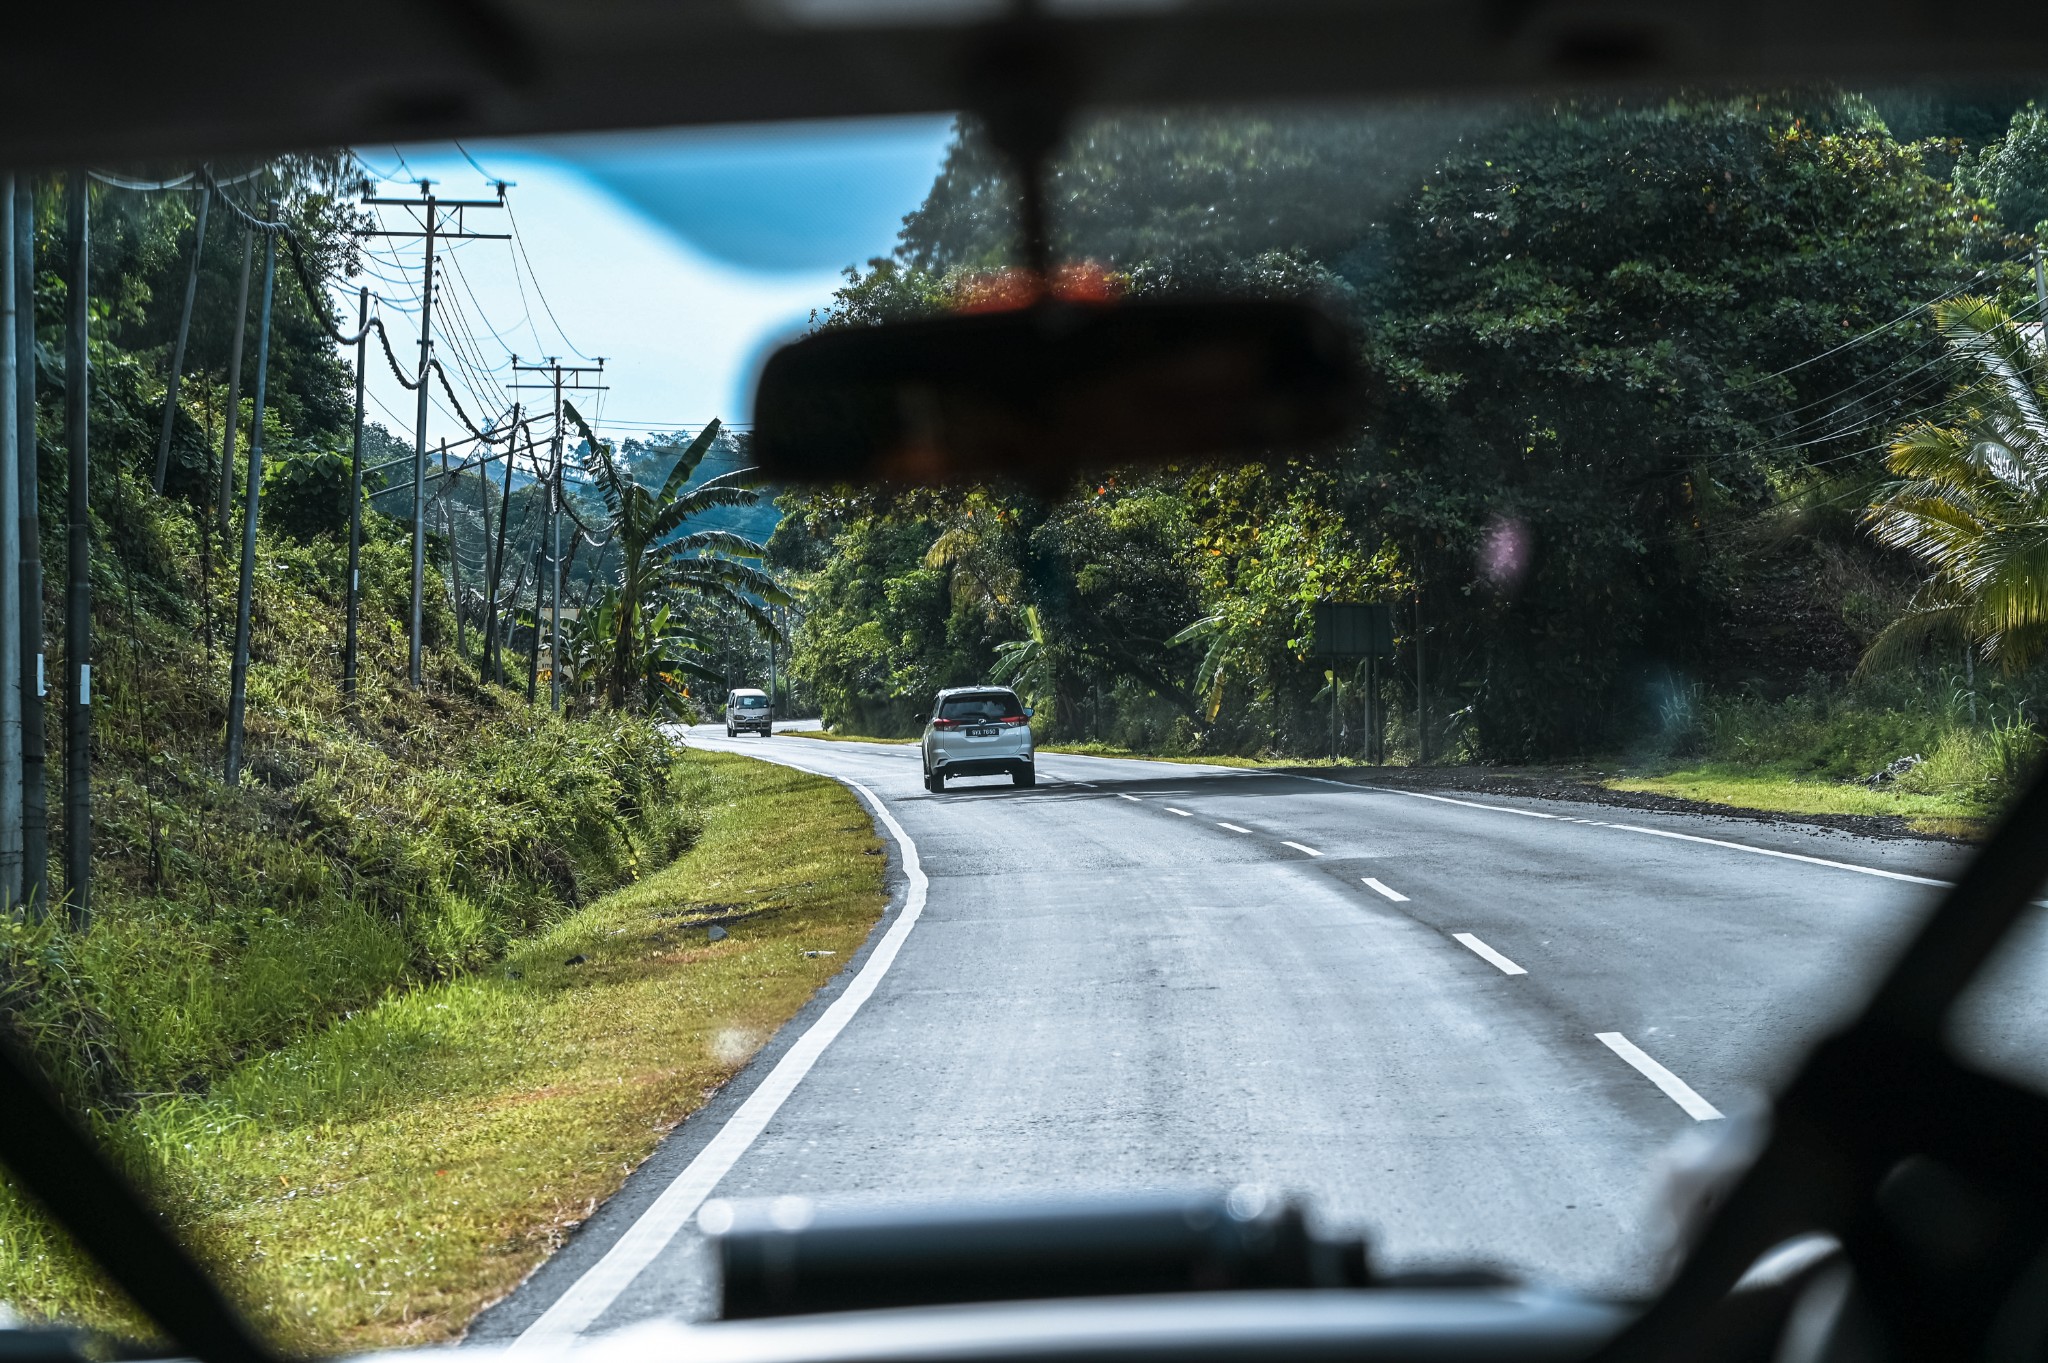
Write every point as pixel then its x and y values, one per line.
pixel 1942 812
pixel 379 1182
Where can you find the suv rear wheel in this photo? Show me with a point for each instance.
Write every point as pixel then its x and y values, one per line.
pixel 935 783
pixel 1025 776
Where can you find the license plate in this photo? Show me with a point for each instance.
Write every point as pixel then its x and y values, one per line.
pixel 984 731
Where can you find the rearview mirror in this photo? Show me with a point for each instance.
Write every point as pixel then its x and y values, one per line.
pixel 1042 392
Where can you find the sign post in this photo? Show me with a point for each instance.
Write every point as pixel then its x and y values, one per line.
pixel 1347 631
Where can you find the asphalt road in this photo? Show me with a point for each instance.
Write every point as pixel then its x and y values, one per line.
pixel 1472 1026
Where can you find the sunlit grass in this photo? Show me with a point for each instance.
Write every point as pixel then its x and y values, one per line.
pixel 1944 812
pixel 380 1181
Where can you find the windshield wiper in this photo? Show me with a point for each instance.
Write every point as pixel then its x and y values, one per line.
pixel 59 1166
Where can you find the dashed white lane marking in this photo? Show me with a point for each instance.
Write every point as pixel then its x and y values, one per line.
pixel 1381 888
pixel 587 1298
pixel 1488 954
pixel 1089 784
pixel 1638 828
pixel 1232 827
pixel 1132 798
pixel 1676 1089
pixel 1299 847
pixel 1182 812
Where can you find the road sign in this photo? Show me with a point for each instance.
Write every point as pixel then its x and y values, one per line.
pixel 1352 629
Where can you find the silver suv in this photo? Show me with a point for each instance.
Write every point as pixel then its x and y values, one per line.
pixel 978 731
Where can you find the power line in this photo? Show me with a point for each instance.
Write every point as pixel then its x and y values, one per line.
pixel 519 240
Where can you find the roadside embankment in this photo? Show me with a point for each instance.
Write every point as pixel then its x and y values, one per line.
pixel 379 1181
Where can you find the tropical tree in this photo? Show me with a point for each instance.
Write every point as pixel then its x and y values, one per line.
pixel 1032 664
pixel 661 564
pixel 1972 500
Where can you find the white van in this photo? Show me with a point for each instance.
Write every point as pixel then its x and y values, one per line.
pixel 748 711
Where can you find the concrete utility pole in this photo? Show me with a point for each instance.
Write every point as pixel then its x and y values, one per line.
pixel 355 502
pixel 34 685
pixel 572 378
pixel 163 441
pixel 227 445
pixel 238 674
pixel 78 590
pixel 494 649
pixel 10 561
pixel 427 210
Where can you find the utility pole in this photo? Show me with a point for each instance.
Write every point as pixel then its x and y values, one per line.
pixel 35 794
pixel 446 496
pixel 427 210
pixel 78 590
pixel 227 446
pixel 10 561
pixel 355 502
pixel 573 378
pixel 495 648
pixel 1421 695
pixel 163 440
pixel 238 683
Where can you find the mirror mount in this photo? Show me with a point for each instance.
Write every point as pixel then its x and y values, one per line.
pixel 1024 86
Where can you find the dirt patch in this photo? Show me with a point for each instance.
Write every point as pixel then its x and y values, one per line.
pixel 1583 787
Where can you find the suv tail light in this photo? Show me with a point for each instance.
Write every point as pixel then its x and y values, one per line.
pixel 945 724
pixel 1012 721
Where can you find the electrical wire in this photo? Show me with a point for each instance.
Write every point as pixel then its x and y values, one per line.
pixel 519 240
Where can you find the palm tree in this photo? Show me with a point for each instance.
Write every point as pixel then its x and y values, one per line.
pixel 1972 500
pixel 658 564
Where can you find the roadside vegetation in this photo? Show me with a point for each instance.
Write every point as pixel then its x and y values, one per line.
pixel 364 934
pixel 1705 443
pixel 387 1174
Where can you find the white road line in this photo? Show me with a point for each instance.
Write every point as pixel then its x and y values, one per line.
pixel 1676 1089
pixel 1132 798
pixel 1638 828
pixel 1487 953
pixel 1786 856
pixel 1232 827
pixel 1182 812
pixel 1300 848
pixel 1089 784
pixel 588 1297
pixel 1379 887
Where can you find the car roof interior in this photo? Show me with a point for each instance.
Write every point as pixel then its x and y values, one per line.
pixel 217 76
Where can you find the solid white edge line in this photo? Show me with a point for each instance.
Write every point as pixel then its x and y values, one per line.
pixel 1182 812
pixel 1301 848
pixel 1488 954
pixel 1676 1089
pixel 588 1297
pixel 1232 827
pixel 1382 888
pixel 1638 828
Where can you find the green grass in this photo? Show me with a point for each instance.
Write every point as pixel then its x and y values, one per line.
pixel 379 1181
pixel 1719 783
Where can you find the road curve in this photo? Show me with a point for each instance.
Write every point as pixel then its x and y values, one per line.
pixel 1470 1026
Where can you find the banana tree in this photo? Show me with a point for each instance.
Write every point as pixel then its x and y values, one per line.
pixel 660 562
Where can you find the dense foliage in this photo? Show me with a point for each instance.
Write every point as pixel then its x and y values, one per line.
pixel 1633 365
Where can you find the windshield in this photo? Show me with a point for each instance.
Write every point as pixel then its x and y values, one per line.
pixel 1449 825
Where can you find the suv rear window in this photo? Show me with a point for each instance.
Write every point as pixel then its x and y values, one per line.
pixel 980 705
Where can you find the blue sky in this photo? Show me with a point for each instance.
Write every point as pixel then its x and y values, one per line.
pixel 680 257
